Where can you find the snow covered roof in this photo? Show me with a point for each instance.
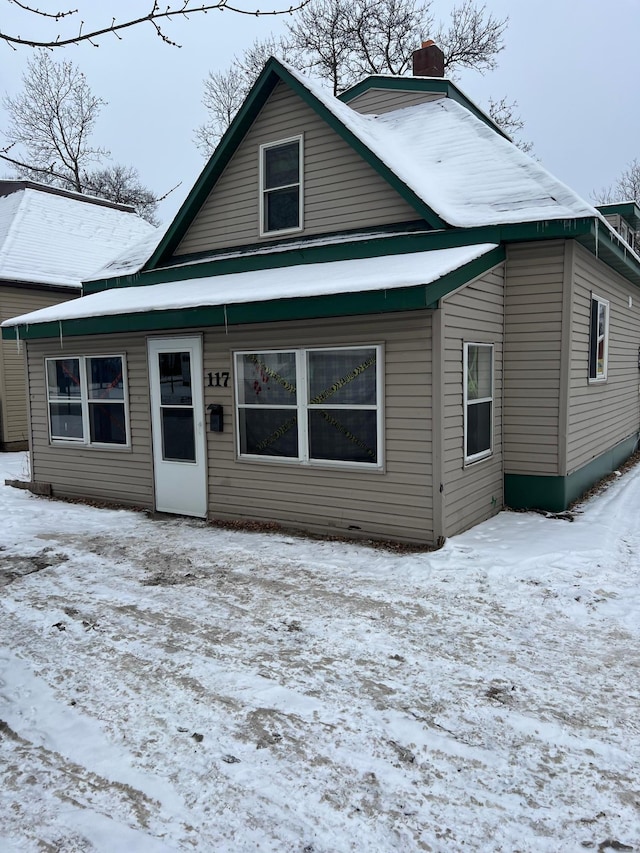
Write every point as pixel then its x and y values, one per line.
pixel 448 163
pixel 57 238
pixel 459 166
pixel 337 277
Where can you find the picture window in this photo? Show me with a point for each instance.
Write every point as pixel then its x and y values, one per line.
pixel 315 405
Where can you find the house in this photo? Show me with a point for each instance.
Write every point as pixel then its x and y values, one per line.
pixel 50 240
pixel 373 316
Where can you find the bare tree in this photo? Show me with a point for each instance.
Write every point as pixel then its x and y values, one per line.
pixel 49 136
pixel 505 116
pixel 122 184
pixel 473 38
pixel 224 91
pixel 74 26
pixel 342 41
pixel 51 122
pixel 626 187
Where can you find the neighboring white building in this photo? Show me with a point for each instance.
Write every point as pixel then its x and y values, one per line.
pixel 50 240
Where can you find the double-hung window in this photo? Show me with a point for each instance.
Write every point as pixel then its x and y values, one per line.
pixel 310 406
pixel 478 401
pixel 281 186
pixel 86 398
pixel 598 339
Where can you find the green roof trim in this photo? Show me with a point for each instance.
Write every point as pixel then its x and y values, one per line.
pixel 375 246
pixel 429 85
pixel 272 73
pixel 628 210
pixel 605 246
pixel 274 310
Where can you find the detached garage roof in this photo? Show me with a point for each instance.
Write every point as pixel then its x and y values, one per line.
pixel 57 238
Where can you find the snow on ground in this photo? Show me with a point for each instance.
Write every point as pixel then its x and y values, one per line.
pixel 165 685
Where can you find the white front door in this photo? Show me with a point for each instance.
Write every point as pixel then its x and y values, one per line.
pixel 177 423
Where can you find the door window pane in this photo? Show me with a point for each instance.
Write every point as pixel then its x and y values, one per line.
pixel 174 370
pixel 178 435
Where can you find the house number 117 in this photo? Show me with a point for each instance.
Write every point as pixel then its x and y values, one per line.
pixel 219 380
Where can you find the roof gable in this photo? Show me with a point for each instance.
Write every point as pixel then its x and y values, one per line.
pixel 341 192
pixel 327 107
pixel 427 85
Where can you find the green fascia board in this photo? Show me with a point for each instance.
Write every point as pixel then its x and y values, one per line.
pixel 298 308
pixel 234 134
pixel 430 85
pixel 556 494
pixel 257 97
pixel 628 210
pixel 376 246
pixel 601 243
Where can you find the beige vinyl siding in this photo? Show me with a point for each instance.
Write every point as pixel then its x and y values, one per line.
pixel 340 189
pixel 475 314
pixel 119 475
pixel 394 503
pixel 380 101
pixel 532 354
pixel 601 414
pixel 16 300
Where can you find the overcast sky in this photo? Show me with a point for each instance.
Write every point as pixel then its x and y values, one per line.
pixel 570 64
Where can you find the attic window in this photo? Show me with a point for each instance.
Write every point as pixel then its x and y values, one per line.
pixel 281 186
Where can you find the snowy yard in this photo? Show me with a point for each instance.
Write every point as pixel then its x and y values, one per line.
pixel 168 686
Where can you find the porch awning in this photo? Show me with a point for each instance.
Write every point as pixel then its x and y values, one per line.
pixel 391 283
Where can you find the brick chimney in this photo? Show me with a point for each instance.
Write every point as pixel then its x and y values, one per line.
pixel 428 61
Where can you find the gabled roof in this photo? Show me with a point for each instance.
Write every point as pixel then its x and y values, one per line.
pixel 451 166
pixel 430 85
pixel 56 238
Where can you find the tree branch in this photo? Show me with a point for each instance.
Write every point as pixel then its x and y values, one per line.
pixel 55 15
pixel 43 170
pixel 184 8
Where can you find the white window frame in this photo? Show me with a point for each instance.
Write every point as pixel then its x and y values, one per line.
pixel 483 454
pixel 303 406
pixel 264 190
pixel 596 375
pixel 85 401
